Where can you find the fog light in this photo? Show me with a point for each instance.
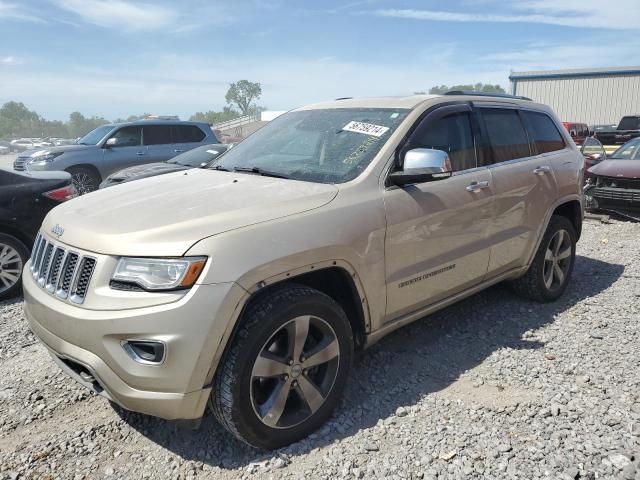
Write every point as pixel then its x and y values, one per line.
pixel 147 352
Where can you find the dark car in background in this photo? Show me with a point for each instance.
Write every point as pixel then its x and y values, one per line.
pixel 198 157
pixel 110 148
pixel 25 199
pixel 614 184
pixel 628 128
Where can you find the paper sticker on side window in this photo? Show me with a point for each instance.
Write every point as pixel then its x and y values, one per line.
pixel 366 128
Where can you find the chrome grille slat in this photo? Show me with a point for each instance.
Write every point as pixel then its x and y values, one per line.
pixel 61 272
pixel 44 265
pixel 56 264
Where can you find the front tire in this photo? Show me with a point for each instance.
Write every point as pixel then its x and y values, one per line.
pixel 550 272
pixel 285 368
pixel 13 256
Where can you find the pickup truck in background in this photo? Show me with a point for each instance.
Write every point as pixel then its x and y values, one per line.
pixel 628 128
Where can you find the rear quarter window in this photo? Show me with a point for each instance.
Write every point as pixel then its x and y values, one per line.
pixel 543 132
pixel 187 134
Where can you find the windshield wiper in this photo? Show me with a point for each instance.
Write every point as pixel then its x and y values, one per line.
pixel 259 171
pixel 220 168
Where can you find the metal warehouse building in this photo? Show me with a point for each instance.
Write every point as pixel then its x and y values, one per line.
pixel 592 96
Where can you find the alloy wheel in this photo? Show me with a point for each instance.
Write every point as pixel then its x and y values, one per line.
pixel 10 267
pixel 557 260
pixel 83 183
pixel 294 372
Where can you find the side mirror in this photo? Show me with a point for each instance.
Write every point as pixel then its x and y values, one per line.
pixel 422 165
pixel 110 142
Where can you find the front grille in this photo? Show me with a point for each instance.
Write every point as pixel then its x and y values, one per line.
pixel 618 182
pixel 19 164
pixel 61 272
pixel 616 194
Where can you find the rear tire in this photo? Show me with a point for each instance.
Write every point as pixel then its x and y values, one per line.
pixel 550 272
pixel 13 255
pixel 84 179
pixel 264 397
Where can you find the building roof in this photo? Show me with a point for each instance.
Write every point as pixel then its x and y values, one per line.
pixel 575 72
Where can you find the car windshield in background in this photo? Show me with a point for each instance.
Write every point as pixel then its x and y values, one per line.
pixel 198 156
pixel 322 146
pixel 94 136
pixel 628 151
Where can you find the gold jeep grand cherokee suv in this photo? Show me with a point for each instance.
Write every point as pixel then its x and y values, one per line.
pixel 248 286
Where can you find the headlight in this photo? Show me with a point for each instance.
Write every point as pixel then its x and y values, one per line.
pixel 43 156
pixel 159 273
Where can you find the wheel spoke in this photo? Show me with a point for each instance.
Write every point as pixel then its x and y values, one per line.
pixel 311 394
pixel 6 282
pixel 323 354
pixel 548 277
pixel 548 255
pixel 301 326
pixel 566 253
pixel 269 366
pixel 276 403
pixel 558 273
pixel 558 243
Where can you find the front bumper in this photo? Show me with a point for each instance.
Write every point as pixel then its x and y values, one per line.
pixel 86 344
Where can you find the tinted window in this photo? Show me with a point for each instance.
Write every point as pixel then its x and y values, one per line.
pixel 629 123
pixel 543 132
pixel 157 134
pixel 128 137
pixel 187 134
pixel 451 134
pixel 506 135
pixel 629 151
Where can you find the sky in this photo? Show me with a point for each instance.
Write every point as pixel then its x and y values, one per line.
pixel 115 58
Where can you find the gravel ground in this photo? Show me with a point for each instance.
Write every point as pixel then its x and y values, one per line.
pixel 494 387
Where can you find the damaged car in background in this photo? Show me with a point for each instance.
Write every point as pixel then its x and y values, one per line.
pixel 199 157
pixel 613 184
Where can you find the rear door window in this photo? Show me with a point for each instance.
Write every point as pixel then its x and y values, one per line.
pixel 505 134
pixel 543 132
pixel 157 134
pixel 187 134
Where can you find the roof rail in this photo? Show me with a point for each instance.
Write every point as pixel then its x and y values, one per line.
pixel 343 98
pixel 161 117
pixel 486 94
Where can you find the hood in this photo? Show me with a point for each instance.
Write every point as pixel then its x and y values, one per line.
pixel 148 169
pixel 166 214
pixel 617 168
pixel 62 148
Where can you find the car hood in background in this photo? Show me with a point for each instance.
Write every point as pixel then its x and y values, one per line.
pixel 63 148
pixel 617 168
pixel 166 214
pixel 142 171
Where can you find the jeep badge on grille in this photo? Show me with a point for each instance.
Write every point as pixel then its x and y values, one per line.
pixel 57 230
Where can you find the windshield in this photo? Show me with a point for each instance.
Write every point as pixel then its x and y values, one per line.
pixel 198 156
pixel 628 151
pixel 94 136
pixel 322 146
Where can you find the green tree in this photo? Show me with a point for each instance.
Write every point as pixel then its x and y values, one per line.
pixel 243 94
pixel 213 117
pixel 478 87
pixel 17 120
pixel 80 125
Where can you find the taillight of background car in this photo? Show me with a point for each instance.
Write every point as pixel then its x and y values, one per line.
pixel 62 194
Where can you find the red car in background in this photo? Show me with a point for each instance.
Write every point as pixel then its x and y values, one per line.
pixel 578 131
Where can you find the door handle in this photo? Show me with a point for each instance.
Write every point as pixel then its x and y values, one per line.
pixel 475 187
pixel 542 170
pixel 178 151
pixel 139 153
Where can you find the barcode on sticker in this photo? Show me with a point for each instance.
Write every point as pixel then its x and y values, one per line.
pixel 366 128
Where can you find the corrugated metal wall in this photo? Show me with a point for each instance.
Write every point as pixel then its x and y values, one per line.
pixel 591 100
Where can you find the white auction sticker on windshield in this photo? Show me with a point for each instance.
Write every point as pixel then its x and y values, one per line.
pixel 366 128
